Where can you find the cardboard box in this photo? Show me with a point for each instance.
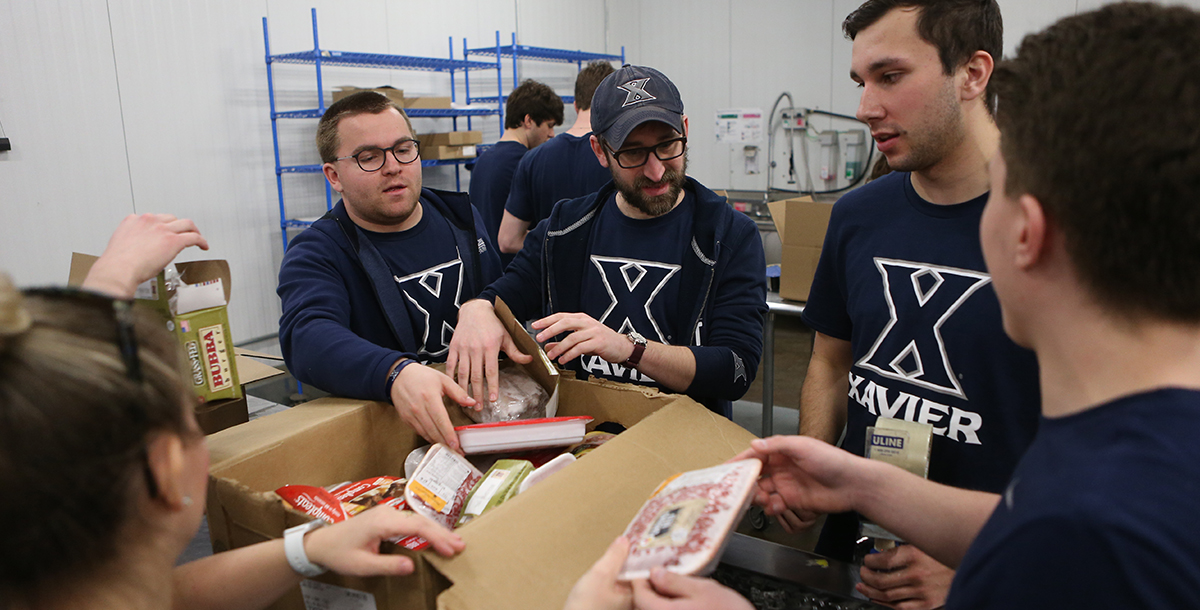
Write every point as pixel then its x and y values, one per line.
pixel 216 416
pixel 452 138
pixel 801 223
pixel 203 334
pixel 525 554
pixel 430 153
pixel 427 102
pixel 392 93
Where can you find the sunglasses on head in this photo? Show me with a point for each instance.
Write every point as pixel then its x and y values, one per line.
pixel 127 345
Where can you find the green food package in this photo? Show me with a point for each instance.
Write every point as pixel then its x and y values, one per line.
pixel 212 368
pixel 500 483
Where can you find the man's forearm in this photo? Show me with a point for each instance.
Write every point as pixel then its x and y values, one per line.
pixel 940 520
pixel 823 395
pixel 673 366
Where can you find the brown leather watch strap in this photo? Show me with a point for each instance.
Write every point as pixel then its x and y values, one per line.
pixel 636 356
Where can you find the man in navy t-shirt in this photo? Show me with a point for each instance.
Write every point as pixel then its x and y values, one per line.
pixel 906 321
pixel 531 113
pixel 653 279
pixel 1090 239
pixel 565 168
pixel 373 288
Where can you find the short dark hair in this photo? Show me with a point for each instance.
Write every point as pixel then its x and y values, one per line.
pixel 1124 193
pixel 537 100
pixel 588 79
pixel 956 28
pixel 362 102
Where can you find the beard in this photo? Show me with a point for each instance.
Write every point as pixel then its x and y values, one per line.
pixel 657 205
pixel 931 143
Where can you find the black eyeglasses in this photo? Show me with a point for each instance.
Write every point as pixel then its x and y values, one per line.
pixel 631 158
pixel 372 159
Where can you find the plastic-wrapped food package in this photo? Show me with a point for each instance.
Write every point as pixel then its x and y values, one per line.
pixel 345 500
pixel 496 487
pixel 520 397
pixel 686 523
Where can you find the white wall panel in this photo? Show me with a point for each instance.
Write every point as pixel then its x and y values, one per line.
pixel 193 98
pixel 65 184
pixel 137 105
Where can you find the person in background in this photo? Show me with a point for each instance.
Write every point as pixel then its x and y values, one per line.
pixel 372 289
pixel 653 279
pixel 1090 236
pixel 531 113
pixel 565 168
pixel 105 469
pixel 905 317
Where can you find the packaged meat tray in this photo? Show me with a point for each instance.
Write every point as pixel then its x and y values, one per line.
pixel 685 524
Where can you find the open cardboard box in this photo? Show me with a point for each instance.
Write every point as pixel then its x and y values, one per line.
pixel 230 408
pixel 525 554
pixel 801 223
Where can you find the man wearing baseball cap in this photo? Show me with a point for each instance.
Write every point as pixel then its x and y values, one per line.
pixel 652 280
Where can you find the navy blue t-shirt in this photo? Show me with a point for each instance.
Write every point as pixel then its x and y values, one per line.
pixel 1101 513
pixel 434 294
pixel 563 168
pixel 491 179
pixel 631 280
pixel 904 281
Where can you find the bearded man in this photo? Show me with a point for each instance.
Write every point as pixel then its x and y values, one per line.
pixel 652 280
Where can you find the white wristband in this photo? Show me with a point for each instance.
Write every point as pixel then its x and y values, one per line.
pixel 293 547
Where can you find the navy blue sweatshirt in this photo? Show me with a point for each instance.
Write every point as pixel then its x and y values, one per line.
pixel 722 290
pixel 333 331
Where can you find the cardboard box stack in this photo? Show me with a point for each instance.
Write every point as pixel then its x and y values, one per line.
pixel 392 93
pixel 449 145
pixel 801 223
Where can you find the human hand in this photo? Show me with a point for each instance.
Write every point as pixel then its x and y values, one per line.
pixel 351 547
pixel 905 578
pixel 804 475
pixel 417 395
pixel 586 337
pixel 598 588
pixel 475 348
pixel 139 248
pixel 669 591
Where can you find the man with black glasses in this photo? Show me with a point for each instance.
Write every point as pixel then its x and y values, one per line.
pixel 652 280
pixel 372 289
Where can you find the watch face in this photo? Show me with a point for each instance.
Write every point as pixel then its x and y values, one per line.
pixel 636 337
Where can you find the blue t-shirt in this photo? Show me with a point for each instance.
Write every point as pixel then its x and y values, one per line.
pixel 631 280
pixel 563 168
pixel 1101 513
pixel 434 294
pixel 491 178
pixel 904 281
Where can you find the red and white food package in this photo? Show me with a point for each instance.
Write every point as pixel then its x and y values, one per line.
pixel 686 523
pixel 313 501
pixel 349 499
pixel 440 485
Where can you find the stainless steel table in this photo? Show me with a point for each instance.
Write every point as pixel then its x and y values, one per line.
pixel 775 306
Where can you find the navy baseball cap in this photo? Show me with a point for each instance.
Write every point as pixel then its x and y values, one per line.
pixel 631 96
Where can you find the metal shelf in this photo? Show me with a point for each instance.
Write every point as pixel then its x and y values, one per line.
pixel 522 51
pixel 322 58
pixel 566 99
pixel 378 60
